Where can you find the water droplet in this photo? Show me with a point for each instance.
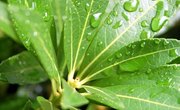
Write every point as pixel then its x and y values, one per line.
pixel 117 25
pixel 157 41
pixel 131 6
pixel 166 13
pixel 140 9
pixel 144 35
pixel 99 43
pixel 125 16
pixel 46 17
pixel 128 52
pixel 143 44
pixel 133 46
pixel 110 59
pixel 166 42
pixel 77 3
pixel 149 71
pixel 118 55
pixel 131 90
pixel 144 23
pixel 87 7
pixel 109 21
pixel 173 53
pixel 95 20
pixel 115 13
pixel 158 21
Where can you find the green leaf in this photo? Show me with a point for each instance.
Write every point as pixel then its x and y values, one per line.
pixel 123 27
pixel 82 21
pixel 22 69
pixel 140 55
pixel 71 98
pixel 165 76
pixel 143 97
pixel 45 104
pixel 5 22
pixel 28 105
pixel 103 96
pixel 58 8
pixel 43 8
pixel 36 37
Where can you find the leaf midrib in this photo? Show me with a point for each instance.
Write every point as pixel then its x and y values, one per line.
pixel 147 101
pixel 82 34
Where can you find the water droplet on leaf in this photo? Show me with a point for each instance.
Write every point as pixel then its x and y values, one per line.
pixel 109 21
pixel 87 6
pixel 117 25
pixel 144 35
pixel 118 55
pixel 131 5
pixel 95 20
pixel 125 16
pixel 144 23
pixel 143 44
pixel 173 53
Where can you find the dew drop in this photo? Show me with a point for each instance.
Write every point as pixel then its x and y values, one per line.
pixel 131 90
pixel 117 25
pixel 149 71
pixel 173 53
pixel 115 13
pixel 110 59
pixel 46 17
pixel 140 9
pixel 131 5
pixel 166 42
pixel 87 7
pixel 99 43
pixel 125 16
pixel 144 23
pixel 157 41
pixel 133 46
pixel 157 23
pixel 128 52
pixel 118 55
pixel 144 35
pixel 143 44
pixel 95 20
pixel 109 21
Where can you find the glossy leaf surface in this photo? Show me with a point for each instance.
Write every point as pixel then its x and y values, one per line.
pixel 22 69
pixel 124 27
pixel 36 37
pixel 103 96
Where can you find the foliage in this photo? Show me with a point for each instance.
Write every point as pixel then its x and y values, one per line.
pixel 94 51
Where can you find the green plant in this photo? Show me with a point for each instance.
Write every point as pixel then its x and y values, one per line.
pixel 94 51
